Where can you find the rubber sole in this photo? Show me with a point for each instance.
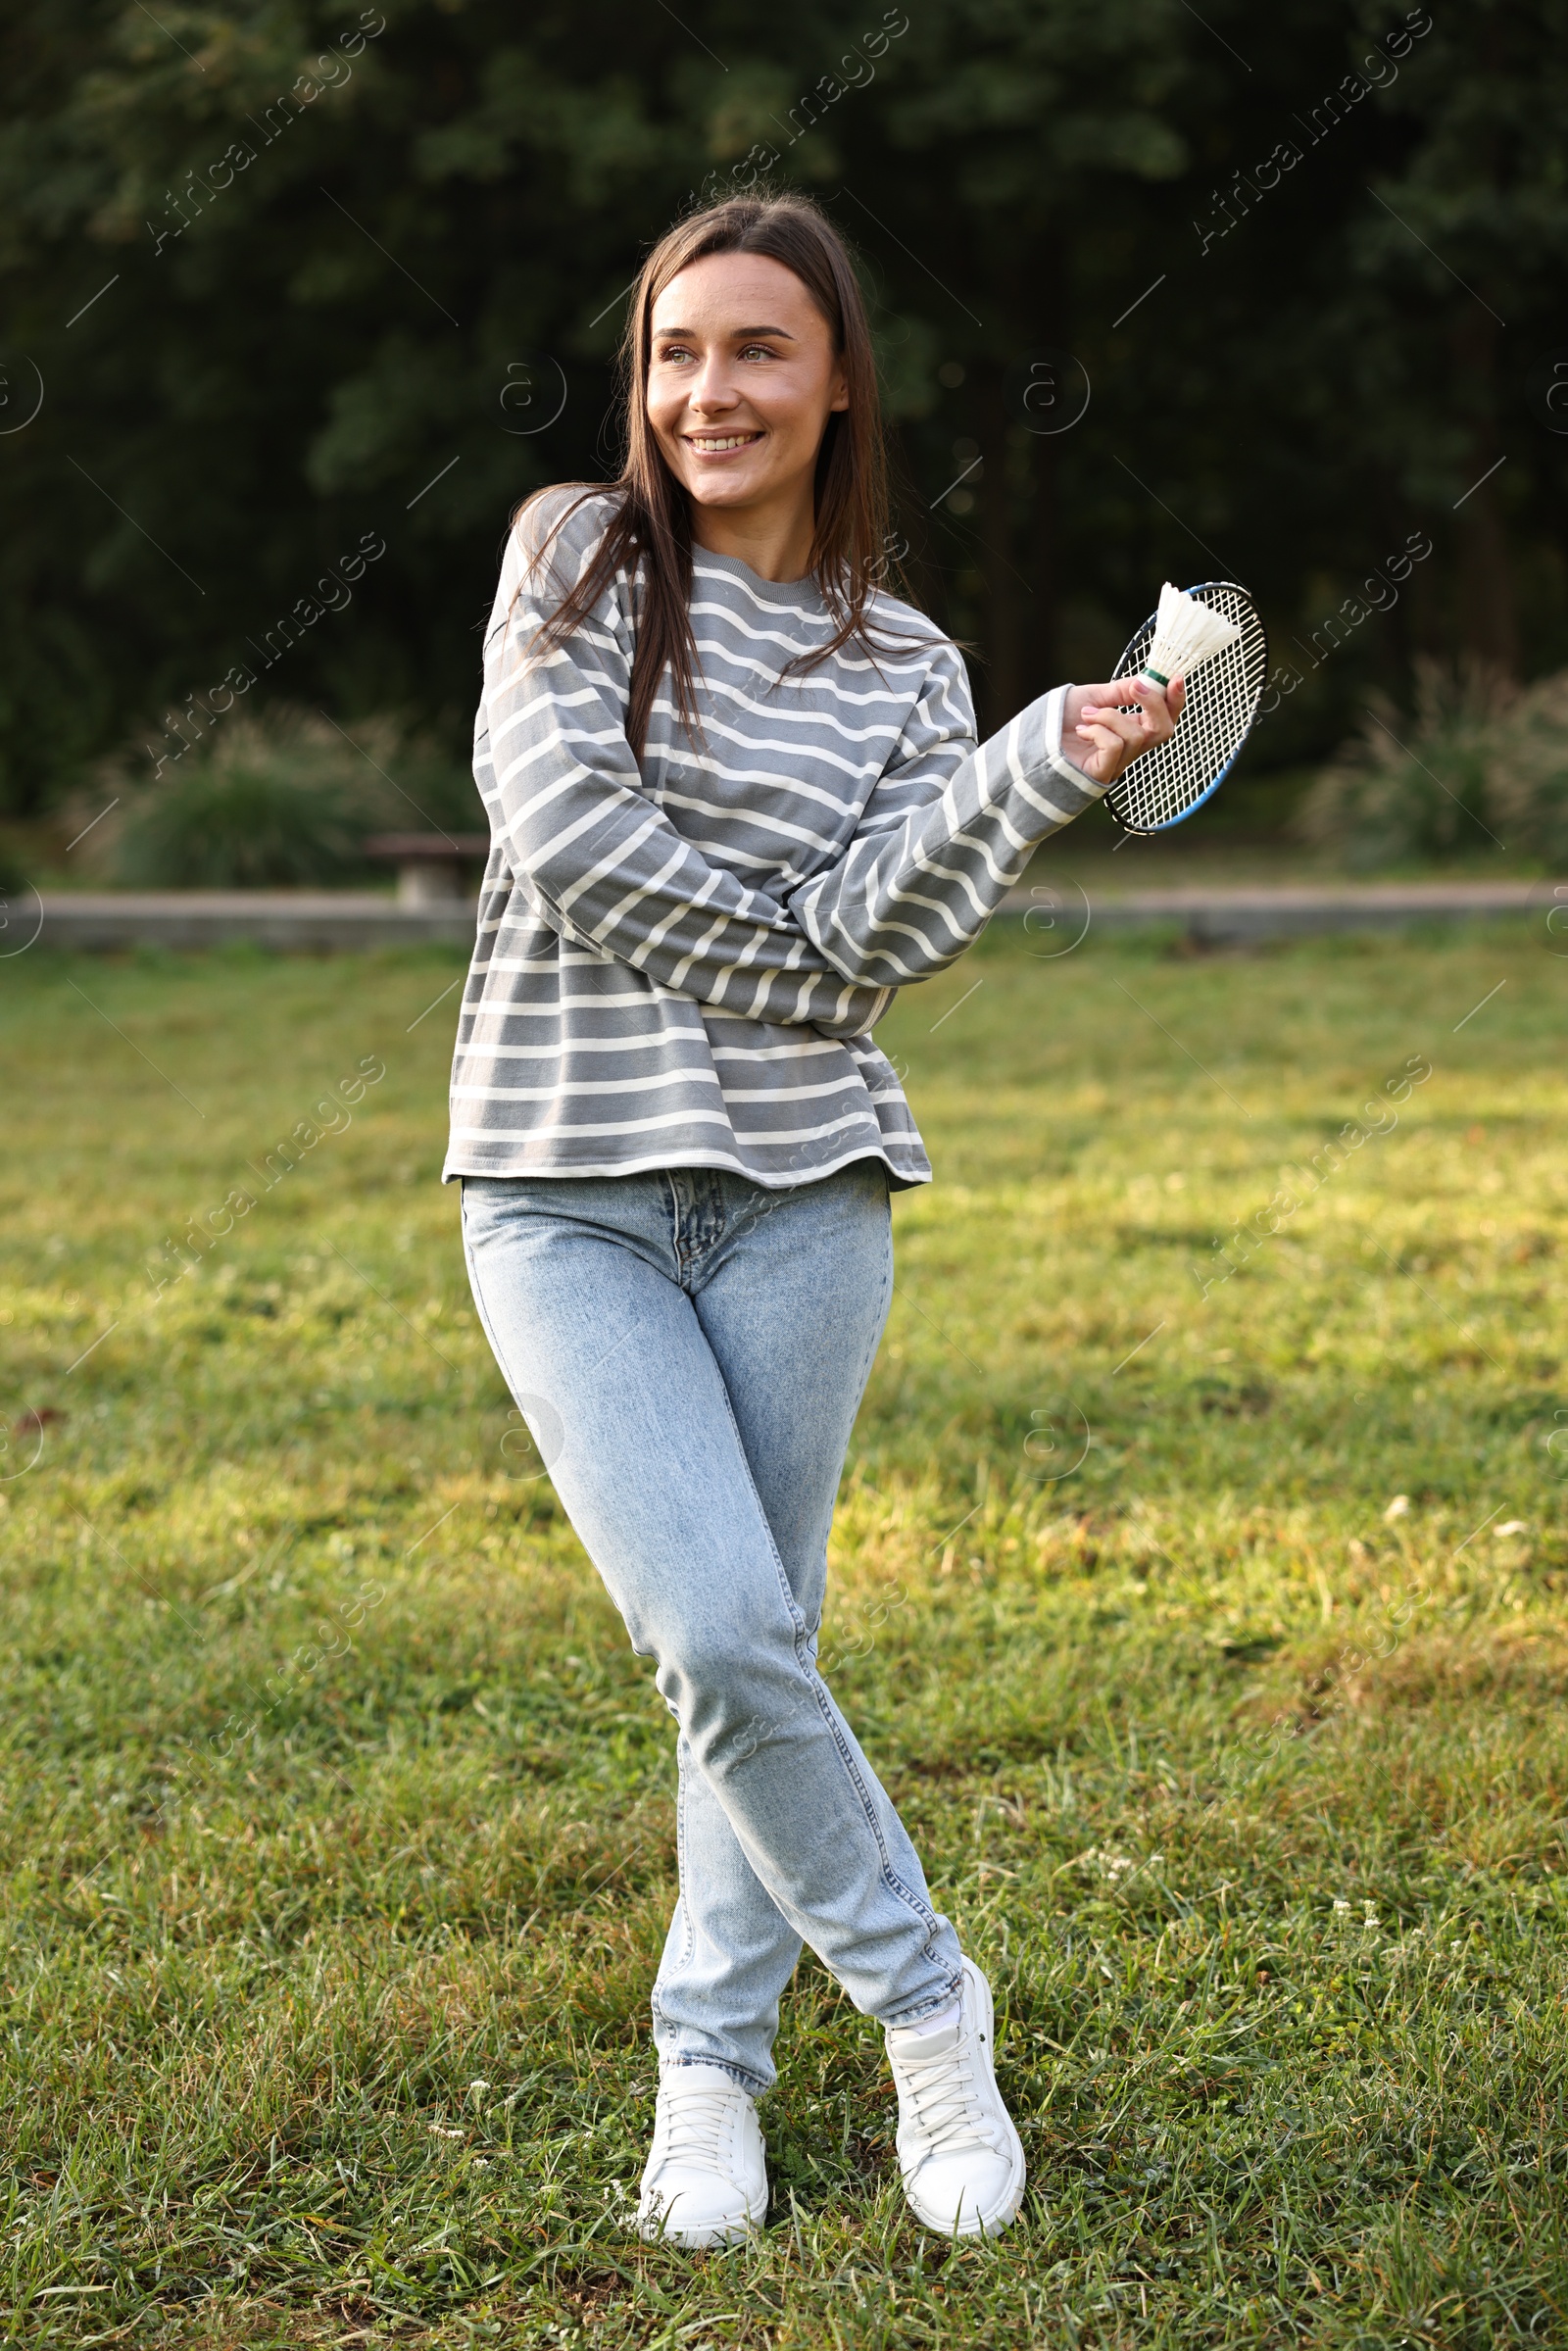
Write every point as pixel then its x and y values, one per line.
pixel 1005 2210
pixel 699 2240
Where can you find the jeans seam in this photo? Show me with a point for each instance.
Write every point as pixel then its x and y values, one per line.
pixel 869 1356
pixel 895 1884
pixel 683 1908
pixel 503 1361
pixel 471 1260
pixel 820 1691
pixel 888 1875
pixel 688 1948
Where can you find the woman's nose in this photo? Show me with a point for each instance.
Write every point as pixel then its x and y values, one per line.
pixel 713 388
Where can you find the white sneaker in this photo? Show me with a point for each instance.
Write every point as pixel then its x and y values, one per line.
pixel 961 2159
pixel 705 2182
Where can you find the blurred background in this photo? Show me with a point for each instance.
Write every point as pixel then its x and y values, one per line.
pixel 301 300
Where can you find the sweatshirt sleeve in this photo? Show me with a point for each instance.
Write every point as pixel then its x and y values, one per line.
pixel 592 852
pixel 947 831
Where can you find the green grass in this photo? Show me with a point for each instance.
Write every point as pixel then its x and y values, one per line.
pixel 337 1815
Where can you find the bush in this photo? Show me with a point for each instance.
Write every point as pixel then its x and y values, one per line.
pixel 1529 780
pixel 280 798
pixel 1480 765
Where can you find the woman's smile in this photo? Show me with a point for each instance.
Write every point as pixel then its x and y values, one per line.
pixel 711 444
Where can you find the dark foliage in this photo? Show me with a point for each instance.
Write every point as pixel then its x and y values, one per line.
pixel 1308 259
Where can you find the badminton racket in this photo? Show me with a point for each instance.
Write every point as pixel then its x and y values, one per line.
pixel 1223 690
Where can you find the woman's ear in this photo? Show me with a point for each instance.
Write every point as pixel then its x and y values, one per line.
pixel 840 398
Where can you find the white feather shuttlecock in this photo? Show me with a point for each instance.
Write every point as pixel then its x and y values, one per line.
pixel 1187 633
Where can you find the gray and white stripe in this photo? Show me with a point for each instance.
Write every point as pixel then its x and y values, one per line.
pixel 680 965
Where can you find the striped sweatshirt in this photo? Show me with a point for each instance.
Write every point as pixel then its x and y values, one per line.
pixel 679 963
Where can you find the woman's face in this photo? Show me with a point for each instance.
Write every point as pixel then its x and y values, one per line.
pixel 742 379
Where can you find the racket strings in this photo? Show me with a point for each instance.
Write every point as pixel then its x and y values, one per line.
pixel 1163 785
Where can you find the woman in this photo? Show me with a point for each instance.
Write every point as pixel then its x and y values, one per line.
pixel 736 803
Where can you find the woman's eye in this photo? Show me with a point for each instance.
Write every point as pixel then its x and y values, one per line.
pixel 670 358
pixel 756 351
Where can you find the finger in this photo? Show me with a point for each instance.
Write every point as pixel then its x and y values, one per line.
pixel 1124 728
pixel 1154 722
pixel 1172 710
pixel 1154 711
pixel 1125 690
pixel 1105 754
pixel 1106 738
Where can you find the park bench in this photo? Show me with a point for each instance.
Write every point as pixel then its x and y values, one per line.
pixel 430 867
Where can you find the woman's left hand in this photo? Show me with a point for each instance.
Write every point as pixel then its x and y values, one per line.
pixel 1104 740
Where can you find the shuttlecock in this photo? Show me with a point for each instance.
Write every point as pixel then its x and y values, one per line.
pixel 1187 633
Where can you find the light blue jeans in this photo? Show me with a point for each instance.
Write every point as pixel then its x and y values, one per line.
pixel 689 1351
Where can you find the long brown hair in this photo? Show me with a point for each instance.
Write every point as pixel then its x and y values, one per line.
pixel 652 521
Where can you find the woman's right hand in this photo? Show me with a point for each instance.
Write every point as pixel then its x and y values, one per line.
pixel 1103 739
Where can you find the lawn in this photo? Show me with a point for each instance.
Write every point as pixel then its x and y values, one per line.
pixel 1204 1609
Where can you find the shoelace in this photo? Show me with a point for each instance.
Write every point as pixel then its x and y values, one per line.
pixel 948 2112
pixel 696 2123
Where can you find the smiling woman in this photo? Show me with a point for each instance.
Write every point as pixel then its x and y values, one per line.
pixel 736 803
pixel 747 326
pixel 740 410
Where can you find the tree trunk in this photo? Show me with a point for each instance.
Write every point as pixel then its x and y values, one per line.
pixel 1006 589
pixel 1489 618
pixel 912 554
pixel 1044 566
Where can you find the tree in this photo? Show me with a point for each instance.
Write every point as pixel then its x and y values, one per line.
pixel 299 276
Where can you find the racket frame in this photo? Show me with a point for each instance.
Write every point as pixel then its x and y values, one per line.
pixel 1125 668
